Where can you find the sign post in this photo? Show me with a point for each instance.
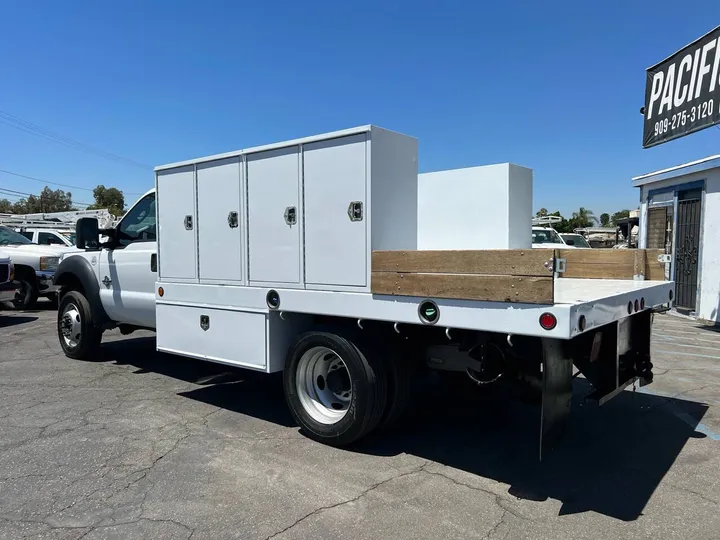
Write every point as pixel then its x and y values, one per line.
pixel 682 93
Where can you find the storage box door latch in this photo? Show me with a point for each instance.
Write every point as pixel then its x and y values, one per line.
pixel 188 223
pixel 232 220
pixel 291 215
pixel 355 211
pixel 204 322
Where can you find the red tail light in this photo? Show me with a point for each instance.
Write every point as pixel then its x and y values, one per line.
pixel 548 321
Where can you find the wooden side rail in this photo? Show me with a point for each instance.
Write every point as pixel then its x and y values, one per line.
pixel 612 263
pixel 509 275
pixel 489 275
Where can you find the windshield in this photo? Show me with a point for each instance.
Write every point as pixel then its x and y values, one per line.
pixel 578 240
pixel 69 236
pixel 546 236
pixel 8 237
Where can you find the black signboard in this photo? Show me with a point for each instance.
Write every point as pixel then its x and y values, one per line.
pixel 682 93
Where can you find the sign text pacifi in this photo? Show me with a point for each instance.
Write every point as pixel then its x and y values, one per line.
pixel 682 93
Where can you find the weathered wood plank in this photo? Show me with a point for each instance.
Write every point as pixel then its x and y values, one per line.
pixel 653 269
pixel 611 263
pixel 598 263
pixel 524 289
pixel 498 262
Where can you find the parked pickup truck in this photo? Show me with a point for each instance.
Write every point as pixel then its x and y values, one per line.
pixel 7 275
pixel 48 237
pixel 34 267
pixel 301 257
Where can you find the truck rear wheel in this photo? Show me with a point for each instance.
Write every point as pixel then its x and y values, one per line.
pixel 79 337
pixel 334 391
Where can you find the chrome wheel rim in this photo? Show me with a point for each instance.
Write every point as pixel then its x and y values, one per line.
pixel 323 385
pixel 70 325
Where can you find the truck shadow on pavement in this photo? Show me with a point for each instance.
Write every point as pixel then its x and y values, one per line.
pixel 610 461
pixel 8 321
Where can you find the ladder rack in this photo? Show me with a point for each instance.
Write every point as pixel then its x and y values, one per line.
pixel 57 220
pixel 546 220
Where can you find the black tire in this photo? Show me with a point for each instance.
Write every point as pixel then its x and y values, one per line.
pixel 400 374
pixel 53 298
pixel 85 344
pixel 367 379
pixel 27 295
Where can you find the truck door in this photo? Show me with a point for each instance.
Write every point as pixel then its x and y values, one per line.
pixel 128 271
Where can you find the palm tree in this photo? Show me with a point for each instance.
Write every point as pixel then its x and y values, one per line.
pixel 584 217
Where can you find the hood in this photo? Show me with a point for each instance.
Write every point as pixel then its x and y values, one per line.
pixel 549 245
pixel 35 249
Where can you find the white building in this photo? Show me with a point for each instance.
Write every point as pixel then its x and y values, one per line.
pixel 680 211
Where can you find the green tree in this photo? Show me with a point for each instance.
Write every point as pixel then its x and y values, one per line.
pixel 604 219
pixel 110 198
pixel 6 207
pixel 622 214
pixel 48 201
pixel 583 218
pixel 541 213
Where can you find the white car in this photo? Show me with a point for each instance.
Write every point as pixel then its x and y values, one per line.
pixel 35 267
pixel 7 273
pixel 576 240
pixel 545 237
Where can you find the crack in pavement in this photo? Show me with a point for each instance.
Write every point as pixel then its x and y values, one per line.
pixel 498 499
pixel 417 470
pixel 696 493
pixel 90 529
pixel 496 526
pixel 348 501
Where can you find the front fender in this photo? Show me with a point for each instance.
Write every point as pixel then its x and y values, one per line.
pixel 76 271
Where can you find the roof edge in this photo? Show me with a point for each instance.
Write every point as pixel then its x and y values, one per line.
pixel 704 164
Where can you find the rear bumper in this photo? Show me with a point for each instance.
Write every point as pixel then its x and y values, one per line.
pixel 7 291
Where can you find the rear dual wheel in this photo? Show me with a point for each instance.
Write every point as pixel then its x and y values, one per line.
pixel 339 390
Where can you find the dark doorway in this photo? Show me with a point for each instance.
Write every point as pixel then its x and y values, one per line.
pixel 687 248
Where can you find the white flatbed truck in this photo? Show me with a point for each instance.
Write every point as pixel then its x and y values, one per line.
pixel 302 257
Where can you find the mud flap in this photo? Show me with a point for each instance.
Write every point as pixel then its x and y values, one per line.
pixel 556 393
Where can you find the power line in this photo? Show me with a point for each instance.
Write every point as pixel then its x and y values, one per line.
pixel 21 194
pixel 28 127
pixel 57 183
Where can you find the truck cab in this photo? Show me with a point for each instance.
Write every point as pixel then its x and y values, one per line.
pixel 117 277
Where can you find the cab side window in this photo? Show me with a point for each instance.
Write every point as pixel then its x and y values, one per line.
pixel 139 224
pixel 48 239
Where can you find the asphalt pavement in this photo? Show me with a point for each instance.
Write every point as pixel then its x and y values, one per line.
pixel 138 444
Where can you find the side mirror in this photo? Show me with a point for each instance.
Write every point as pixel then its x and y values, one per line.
pixel 570 242
pixel 87 234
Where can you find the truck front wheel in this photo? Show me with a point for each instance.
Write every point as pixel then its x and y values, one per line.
pixel 79 337
pixel 334 390
pixel 27 294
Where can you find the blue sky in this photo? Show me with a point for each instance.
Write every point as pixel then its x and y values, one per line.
pixel 555 86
